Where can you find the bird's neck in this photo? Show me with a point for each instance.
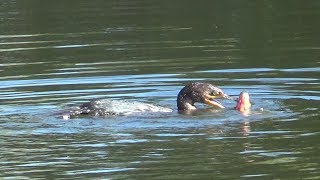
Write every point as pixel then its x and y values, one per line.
pixel 184 103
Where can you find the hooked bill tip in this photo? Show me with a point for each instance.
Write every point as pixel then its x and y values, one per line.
pixel 228 97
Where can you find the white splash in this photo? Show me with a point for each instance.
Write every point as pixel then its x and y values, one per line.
pixel 128 107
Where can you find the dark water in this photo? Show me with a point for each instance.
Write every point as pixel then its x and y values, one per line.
pixel 55 55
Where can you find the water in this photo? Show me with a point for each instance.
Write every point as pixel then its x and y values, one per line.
pixel 56 55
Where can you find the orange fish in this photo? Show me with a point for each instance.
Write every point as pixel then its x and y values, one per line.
pixel 243 104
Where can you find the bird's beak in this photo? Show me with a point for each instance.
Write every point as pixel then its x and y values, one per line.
pixel 209 99
pixel 222 96
pixel 225 96
pixel 213 103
